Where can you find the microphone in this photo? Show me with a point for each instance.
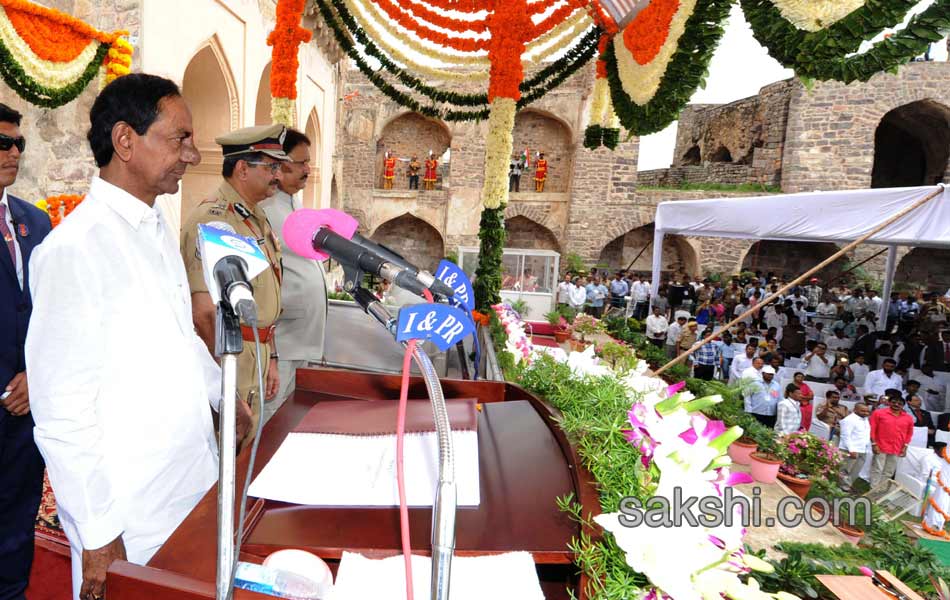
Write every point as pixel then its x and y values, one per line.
pixel 230 261
pixel 320 234
pixel 355 255
pixel 425 278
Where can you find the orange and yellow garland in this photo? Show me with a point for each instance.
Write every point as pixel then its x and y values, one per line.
pixel 49 57
pixel 285 39
pixel 59 207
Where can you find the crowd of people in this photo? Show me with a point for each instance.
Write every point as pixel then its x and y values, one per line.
pixel 819 353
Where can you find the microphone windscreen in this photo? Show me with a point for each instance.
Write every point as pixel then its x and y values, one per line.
pixel 302 224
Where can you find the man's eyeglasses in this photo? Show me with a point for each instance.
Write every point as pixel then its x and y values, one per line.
pixel 273 166
pixel 7 142
pixel 299 163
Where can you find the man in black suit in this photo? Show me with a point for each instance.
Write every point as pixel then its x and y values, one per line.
pixel 865 343
pixel 23 227
pixel 937 353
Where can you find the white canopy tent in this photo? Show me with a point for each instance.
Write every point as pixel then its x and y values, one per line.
pixel 840 217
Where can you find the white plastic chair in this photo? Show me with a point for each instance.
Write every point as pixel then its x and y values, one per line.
pixel 919 439
pixel 820 429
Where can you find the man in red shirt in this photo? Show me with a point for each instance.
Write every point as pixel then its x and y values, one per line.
pixel 891 431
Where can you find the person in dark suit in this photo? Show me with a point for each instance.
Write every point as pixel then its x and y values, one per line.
pixel 865 343
pixel 938 351
pixel 23 227
pixel 922 418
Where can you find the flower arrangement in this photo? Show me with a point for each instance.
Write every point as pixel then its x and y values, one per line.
pixel 286 37
pixel 821 39
pixel 49 57
pixel 805 454
pixel 585 325
pixel 59 207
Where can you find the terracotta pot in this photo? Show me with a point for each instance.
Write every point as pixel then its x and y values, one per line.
pixel 561 336
pixel 798 486
pixel 764 467
pixel 853 534
pixel 579 346
pixel 740 451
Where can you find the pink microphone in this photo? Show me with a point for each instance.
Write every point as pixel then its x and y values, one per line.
pixel 302 224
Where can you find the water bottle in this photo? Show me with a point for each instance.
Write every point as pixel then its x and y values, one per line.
pixel 278 583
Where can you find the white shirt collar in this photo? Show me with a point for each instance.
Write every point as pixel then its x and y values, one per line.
pixel 4 200
pixel 125 204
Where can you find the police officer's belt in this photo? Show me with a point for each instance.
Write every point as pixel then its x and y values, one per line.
pixel 265 333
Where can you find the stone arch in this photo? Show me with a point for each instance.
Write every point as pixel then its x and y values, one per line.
pixel 791 259
pixel 412 134
pixel 636 246
pixel 912 145
pixel 533 212
pixel 693 156
pixel 927 268
pixel 721 155
pixel 541 131
pixel 418 241
pixel 262 114
pixel 209 88
pixel 524 232
pixel 311 193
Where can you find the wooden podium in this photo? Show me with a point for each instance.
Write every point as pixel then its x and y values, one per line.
pixel 525 463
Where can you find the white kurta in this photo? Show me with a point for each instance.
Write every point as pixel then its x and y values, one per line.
pixel 121 387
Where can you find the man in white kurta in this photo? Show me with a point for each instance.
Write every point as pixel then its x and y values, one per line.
pixel 121 385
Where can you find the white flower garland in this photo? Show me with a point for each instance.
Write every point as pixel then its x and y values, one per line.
pixel 815 15
pixel 498 145
pixel 283 111
pixel 642 81
pixel 573 26
pixel 56 75
pixel 598 105
pixel 380 40
pixel 415 45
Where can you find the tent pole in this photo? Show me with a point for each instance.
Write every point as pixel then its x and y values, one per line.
pixel 772 297
pixel 888 286
pixel 657 264
pixel 642 250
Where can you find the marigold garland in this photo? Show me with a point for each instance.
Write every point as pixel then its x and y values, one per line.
pixel 49 57
pixel 285 39
pixel 422 12
pixel 815 15
pixel 59 207
pixel 403 19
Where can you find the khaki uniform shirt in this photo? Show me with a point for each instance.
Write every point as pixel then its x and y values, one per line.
pixel 227 206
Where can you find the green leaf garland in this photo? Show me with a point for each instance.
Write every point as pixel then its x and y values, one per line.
pixel 491 235
pixel 828 54
pixel 532 88
pixel 685 73
pixel 34 92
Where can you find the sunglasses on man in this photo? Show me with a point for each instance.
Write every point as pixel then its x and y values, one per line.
pixel 7 142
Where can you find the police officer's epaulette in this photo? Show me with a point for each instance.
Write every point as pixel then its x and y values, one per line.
pixel 242 211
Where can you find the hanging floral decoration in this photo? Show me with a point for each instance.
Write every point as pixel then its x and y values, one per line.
pixel 603 128
pixel 821 39
pixel 58 207
pixel 656 64
pixel 49 57
pixel 286 37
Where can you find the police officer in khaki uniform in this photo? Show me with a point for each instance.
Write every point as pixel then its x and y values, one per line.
pixel 252 158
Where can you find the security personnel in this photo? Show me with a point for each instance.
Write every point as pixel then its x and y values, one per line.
pixel 252 159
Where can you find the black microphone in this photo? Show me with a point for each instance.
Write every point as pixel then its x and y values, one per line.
pixel 231 274
pixel 425 278
pixel 364 259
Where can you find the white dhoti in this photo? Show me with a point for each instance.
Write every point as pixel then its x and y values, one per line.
pixel 937 508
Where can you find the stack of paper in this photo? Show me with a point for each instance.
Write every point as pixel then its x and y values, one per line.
pixel 509 576
pixel 350 470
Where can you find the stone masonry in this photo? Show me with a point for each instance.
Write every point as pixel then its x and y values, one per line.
pixel 799 139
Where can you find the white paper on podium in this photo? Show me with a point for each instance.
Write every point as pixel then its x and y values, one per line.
pixel 510 576
pixel 352 470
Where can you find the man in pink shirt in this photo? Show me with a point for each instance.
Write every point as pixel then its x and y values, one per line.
pixel 891 431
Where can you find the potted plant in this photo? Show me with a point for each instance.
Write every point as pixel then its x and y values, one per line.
pixel 585 325
pixel 853 529
pixel 766 461
pixel 806 457
pixel 740 451
pixel 557 320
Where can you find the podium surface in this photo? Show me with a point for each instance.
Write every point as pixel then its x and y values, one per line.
pixel 525 464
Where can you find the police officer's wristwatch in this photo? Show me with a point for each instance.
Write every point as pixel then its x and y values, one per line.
pixel 274 355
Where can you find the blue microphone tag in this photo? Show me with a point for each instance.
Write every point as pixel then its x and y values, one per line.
pixel 444 325
pixel 453 276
